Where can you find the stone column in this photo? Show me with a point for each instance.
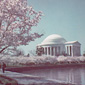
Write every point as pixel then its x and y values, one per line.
pixel 55 51
pixel 48 51
pixel 67 50
pixel 72 51
pixel 45 50
pixel 51 51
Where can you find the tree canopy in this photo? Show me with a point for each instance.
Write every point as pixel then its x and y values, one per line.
pixel 16 22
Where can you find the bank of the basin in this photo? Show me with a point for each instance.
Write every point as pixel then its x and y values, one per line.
pixel 31 67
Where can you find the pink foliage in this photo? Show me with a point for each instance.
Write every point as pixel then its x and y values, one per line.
pixel 16 20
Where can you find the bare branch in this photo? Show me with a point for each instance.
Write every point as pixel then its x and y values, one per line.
pixel 3 49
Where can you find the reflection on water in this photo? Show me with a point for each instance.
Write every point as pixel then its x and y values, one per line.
pixel 68 74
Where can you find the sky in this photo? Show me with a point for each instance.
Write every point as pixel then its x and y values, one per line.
pixel 63 17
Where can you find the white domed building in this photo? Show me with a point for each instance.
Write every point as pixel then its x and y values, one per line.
pixel 55 45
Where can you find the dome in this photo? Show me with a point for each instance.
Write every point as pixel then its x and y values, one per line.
pixel 53 39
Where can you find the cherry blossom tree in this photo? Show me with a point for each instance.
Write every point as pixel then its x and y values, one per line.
pixel 16 22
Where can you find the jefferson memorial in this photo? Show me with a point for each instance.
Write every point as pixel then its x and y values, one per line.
pixel 55 45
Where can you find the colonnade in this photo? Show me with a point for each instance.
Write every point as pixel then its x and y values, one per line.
pixel 70 50
pixel 53 51
pixel 73 50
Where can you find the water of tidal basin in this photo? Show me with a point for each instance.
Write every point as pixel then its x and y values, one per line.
pixel 68 74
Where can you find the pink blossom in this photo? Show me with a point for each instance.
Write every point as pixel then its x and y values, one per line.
pixel 16 20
